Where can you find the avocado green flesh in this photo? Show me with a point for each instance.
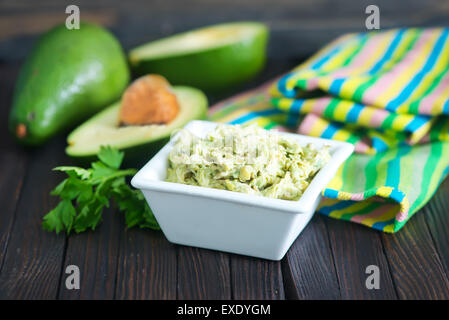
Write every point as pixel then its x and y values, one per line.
pixel 68 76
pixel 212 58
pixel 104 129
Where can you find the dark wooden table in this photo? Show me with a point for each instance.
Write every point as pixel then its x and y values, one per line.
pixel 327 261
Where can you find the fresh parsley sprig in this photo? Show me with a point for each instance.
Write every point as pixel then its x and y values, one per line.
pixel 86 192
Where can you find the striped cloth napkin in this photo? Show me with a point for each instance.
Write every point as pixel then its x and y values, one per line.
pixel 385 92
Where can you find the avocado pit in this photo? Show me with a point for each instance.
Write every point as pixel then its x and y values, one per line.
pixel 148 100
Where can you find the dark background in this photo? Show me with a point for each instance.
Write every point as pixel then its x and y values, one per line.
pixel 327 261
pixel 301 25
pixel 298 27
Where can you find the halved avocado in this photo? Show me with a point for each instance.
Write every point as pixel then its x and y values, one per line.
pixel 140 141
pixel 211 58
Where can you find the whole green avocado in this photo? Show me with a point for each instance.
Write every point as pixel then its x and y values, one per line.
pixel 68 76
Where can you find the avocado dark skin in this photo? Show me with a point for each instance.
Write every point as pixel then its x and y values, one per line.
pixel 68 76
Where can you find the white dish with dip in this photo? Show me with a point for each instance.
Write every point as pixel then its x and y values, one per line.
pixel 232 221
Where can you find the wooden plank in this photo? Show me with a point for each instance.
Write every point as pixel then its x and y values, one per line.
pixel 12 162
pixel 12 173
pixel 437 218
pixel 356 247
pixel 146 266
pixel 415 266
pixel 95 253
pixel 203 274
pixel 33 260
pixel 29 257
pixel 256 279
pixel 9 74
pixel 308 269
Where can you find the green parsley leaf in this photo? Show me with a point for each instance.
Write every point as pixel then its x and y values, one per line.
pixel 86 192
pixel 111 157
pixel 80 172
pixel 60 218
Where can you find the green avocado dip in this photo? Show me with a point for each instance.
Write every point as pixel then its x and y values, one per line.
pixel 246 159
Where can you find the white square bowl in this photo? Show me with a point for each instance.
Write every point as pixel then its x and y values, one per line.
pixel 231 221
